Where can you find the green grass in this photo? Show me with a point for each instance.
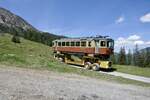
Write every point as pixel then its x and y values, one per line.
pixel 133 70
pixel 27 53
pixel 34 55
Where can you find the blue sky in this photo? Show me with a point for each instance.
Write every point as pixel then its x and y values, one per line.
pixel 126 21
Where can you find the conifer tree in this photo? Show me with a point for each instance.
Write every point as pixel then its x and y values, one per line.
pixel 147 58
pixel 129 57
pixel 138 57
pixel 113 59
pixel 122 56
pixel 15 38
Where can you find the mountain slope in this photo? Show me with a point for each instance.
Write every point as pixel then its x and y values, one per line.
pixel 11 20
pixel 146 49
pixel 26 53
pixel 13 24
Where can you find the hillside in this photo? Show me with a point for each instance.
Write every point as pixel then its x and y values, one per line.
pixel 146 49
pixel 29 54
pixel 11 20
pixel 13 24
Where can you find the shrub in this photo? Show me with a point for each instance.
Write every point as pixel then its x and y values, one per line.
pixel 16 39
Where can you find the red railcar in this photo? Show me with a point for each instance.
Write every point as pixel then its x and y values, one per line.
pixel 88 48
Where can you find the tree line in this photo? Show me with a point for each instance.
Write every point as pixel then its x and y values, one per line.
pixel 138 57
pixel 30 34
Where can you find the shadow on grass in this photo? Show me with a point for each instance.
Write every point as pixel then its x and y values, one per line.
pixel 108 70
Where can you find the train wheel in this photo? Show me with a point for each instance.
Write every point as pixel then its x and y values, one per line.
pixel 60 59
pixel 95 67
pixel 87 65
pixel 55 56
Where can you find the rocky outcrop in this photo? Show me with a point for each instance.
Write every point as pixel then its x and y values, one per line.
pixel 8 19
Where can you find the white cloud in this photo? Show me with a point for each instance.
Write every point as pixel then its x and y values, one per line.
pixel 120 38
pixel 145 18
pixel 148 42
pixel 133 37
pixel 138 42
pixel 130 42
pixel 120 20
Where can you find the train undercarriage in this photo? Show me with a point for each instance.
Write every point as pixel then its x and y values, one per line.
pixel 88 61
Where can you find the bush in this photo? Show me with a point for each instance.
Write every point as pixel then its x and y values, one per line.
pixel 15 39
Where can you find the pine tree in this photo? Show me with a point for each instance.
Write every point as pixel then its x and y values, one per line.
pixel 122 56
pixel 15 38
pixel 138 57
pixel 113 59
pixel 146 62
pixel 129 57
pixel 135 55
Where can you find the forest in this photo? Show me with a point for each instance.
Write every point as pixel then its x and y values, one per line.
pixel 136 57
pixel 30 34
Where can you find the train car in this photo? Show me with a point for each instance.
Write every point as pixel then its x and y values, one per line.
pixel 91 52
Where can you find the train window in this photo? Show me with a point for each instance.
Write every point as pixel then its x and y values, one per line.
pixel 72 43
pixel 63 43
pixel 103 43
pixel 53 44
pixel 110 44
pixel 67 43
pixel 56 43
pixel 83 43
pixel 77 43
pixel 89 44
pixel 59 43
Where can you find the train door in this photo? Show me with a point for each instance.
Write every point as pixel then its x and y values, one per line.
pixel 56 44
pixel 96 46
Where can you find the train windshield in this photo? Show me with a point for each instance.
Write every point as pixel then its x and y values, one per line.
pixel 110 44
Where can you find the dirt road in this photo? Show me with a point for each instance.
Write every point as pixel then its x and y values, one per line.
pixel 129 76
pixel 124 75
pixel 27 84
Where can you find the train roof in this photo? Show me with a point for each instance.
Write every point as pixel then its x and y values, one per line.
pixel 84 39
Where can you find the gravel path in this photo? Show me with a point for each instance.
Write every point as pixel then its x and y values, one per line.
pixel 27 84
pixel 129 76
pixel 124 75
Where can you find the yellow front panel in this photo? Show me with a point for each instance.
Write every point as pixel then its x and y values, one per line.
pixel 104 64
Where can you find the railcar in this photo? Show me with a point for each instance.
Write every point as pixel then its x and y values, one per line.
pixel 90 52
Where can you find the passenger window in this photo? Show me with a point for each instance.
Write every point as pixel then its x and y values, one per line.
pixel 83 44
pixel 67 43
pixel 63 43
pixel 52 43
pixel 103 43
pixel 110 44
pixel 59 43
pixel 72 43
pixel 56 43
pixel 77 43
pixel 89 44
